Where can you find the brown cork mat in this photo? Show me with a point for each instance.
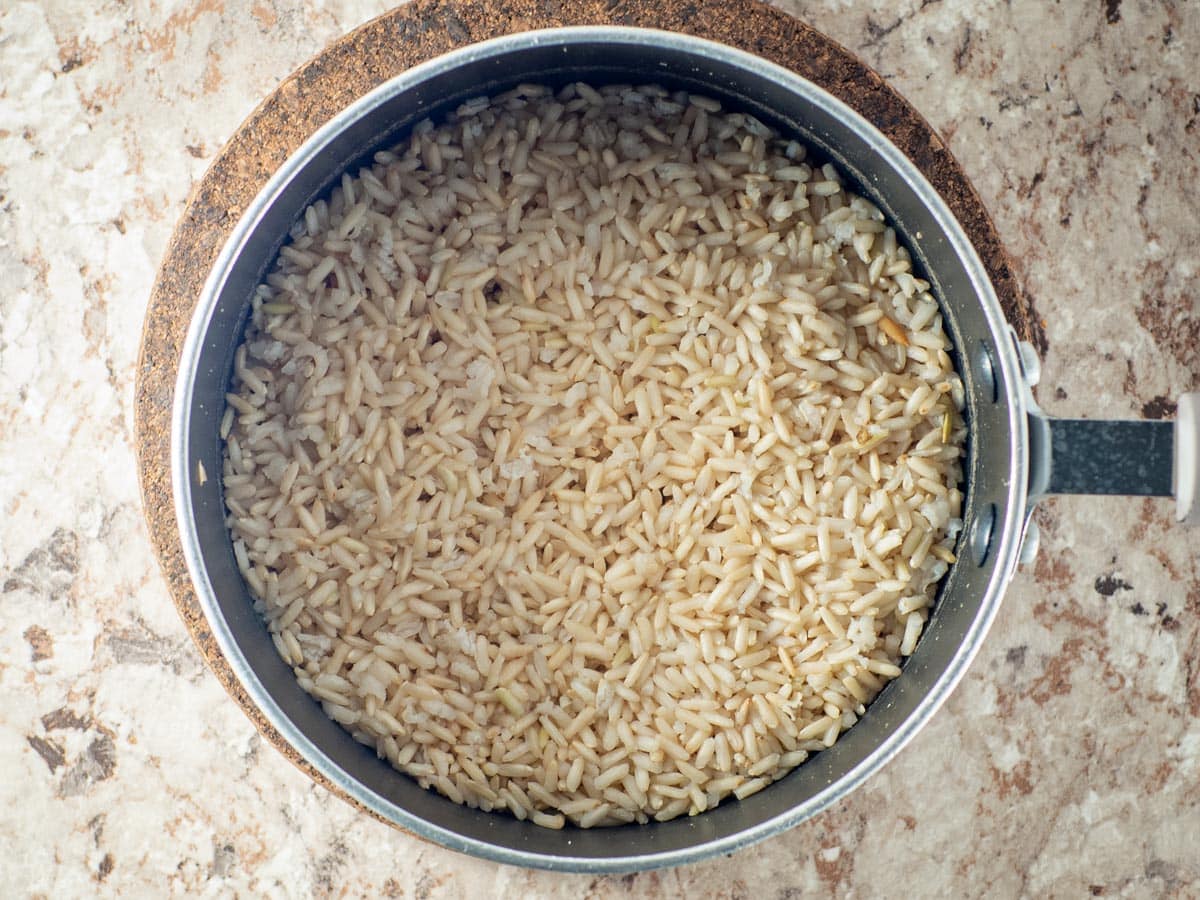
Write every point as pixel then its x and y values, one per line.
pixel 392 43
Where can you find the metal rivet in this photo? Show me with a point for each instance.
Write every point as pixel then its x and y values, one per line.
pixel 980 539
pixel 1030 543
pixel 985 370
pixel 1031 364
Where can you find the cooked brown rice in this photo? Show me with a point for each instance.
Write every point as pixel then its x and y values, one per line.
pixel 593 455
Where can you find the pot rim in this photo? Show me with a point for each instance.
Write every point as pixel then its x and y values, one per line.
pixel 1005 543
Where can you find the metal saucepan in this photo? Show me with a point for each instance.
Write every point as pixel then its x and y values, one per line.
pixel 1015 453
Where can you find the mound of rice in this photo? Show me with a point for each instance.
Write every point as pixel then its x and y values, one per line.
pixel 593 455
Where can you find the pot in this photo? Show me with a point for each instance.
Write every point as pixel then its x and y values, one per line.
pixel 1015 454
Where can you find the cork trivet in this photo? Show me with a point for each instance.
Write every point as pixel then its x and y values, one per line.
pixel 387 46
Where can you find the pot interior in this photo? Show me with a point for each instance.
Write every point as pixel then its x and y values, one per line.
pixel 994 467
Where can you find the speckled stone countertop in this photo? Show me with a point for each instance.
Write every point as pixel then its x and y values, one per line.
pixel 1066 764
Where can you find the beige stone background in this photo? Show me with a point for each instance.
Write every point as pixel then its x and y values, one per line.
pixel 1067 764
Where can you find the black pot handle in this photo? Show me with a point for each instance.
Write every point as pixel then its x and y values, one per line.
pixel 1098 456
pixel 1138 458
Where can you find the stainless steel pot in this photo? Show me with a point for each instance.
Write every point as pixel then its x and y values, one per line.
pixel 1015 454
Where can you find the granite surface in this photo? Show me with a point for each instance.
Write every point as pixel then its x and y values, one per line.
pixel 1066 764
